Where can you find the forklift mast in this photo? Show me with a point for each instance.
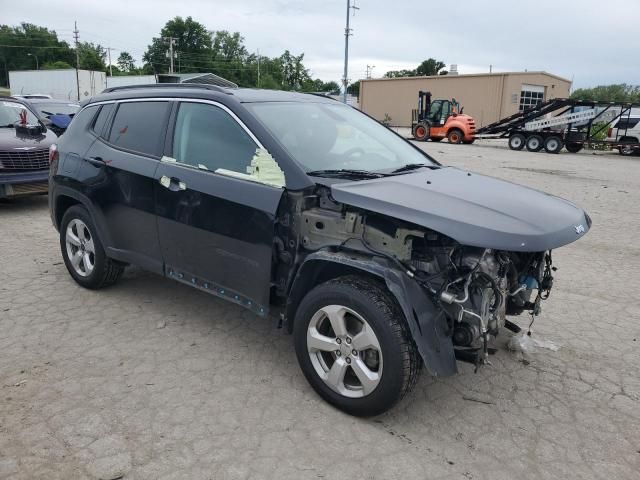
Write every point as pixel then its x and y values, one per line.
pixel 424 103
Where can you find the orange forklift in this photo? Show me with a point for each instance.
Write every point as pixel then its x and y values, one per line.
pixel 440 119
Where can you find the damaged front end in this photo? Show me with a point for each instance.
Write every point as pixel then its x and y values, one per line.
pixel 455 297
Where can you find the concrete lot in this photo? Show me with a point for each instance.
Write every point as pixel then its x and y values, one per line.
pixel 152 380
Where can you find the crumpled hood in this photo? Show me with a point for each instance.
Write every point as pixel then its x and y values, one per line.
pixel 473 209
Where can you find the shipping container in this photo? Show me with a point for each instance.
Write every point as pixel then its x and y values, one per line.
pixel 126 80
pixel 61 84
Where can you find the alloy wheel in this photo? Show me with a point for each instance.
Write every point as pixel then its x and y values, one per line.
pixel 80 247
pixel 344 351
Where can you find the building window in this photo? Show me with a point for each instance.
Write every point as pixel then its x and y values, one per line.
pixel 530 96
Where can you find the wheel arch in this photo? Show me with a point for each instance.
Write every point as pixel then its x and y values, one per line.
pixel 66 198
pixel 320 267
pixel 426 323
pixel 456 125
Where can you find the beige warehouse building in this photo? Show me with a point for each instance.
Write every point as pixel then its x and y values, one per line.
pixel 487 96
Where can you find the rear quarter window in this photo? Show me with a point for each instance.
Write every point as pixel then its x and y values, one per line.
pixel 101 119
pixel 82 119
pixel 140 126
pixel 626 123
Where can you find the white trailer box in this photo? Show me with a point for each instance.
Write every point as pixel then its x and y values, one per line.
pixel 126 80
pixel 61 84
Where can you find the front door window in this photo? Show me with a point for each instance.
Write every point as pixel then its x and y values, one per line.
pixel 209 138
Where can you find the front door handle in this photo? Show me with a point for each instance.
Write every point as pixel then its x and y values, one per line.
pixel 172 183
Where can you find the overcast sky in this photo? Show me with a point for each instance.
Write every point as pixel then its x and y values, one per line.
pixel 589 41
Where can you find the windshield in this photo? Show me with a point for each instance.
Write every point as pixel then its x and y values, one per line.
pixel 323 136
pixel 10 114
pixel 48 109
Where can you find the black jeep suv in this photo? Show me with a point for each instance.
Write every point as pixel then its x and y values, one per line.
pixel 377 258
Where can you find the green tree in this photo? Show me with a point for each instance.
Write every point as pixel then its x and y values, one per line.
pixel 40 42
pixel 430 66
pixel 354 89
pixel 294 74
pixel 620 92
pixel 192 41
pixel 399 73
pixel 92 56
pixel 126 63
pixel 230 59
pixel 58 65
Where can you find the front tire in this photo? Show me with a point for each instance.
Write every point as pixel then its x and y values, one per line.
pixel 421 132
pixel 83 252
pixel 353 346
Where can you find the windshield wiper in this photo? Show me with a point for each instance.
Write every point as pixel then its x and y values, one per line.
pixel 346 172
pixel 413 166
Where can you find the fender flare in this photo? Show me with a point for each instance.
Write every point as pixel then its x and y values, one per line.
pixel 96 215
pixel 427 323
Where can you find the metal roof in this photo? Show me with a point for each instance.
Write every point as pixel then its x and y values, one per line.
pixel 200 78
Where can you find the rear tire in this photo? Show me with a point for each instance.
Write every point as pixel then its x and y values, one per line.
pixel 455 135
pixel 385 357
pixel 553 144
pixel 83 253
pixel 534 143
pixel 421 132
pixel 628 151
pixel 516 141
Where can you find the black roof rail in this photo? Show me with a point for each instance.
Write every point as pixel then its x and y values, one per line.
pixel 320 94
pixel 215 88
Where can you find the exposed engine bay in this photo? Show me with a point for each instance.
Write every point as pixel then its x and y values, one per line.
pixel 475 288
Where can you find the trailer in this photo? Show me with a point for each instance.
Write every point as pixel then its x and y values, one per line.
pixel 568 123
pixel 65 84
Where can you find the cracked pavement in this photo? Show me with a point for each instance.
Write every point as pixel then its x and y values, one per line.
pixel 150 379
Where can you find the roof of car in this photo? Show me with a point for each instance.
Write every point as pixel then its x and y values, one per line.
pixel 244 95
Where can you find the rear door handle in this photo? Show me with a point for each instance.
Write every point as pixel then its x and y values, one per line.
pixel 172 183
pixel 96 161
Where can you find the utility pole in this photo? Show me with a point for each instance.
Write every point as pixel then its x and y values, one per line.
pixel 110 69
pixel 36 57
pixel 370 71
pixel 258 68
pixel 172 42
pixel 347 33
pixel 490 68
pixel 76 38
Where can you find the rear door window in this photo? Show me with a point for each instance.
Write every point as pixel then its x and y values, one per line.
pixel 140 126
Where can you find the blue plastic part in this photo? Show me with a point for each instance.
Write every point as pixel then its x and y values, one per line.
pixel 529 281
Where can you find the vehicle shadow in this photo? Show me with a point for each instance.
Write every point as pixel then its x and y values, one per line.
pixel 27 203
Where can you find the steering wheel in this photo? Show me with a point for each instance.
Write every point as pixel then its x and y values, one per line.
pixel 353 151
